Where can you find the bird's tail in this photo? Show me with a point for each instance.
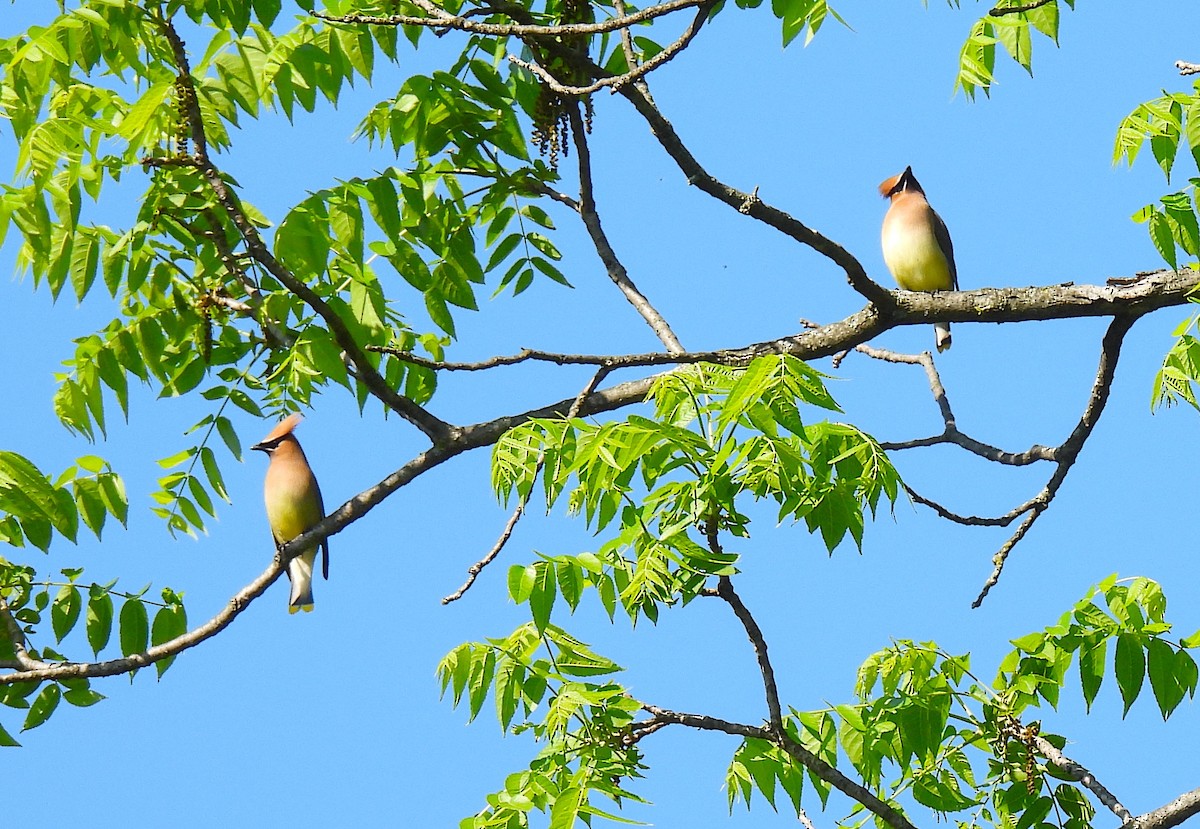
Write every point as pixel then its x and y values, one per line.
pixel 941 331
pixel 300 572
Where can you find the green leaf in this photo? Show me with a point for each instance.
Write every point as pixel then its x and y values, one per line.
pixel 541 597
pixel 302 241
pixel 42 707
pixel 134 627
pixel 1130 668
pixel 64 613
pixel 509 685
pixel 1164 679
pixel 1091 668
pixel 169 622
pixel 520 582
pixel 99 618
pixel 566 808
pixel 82 697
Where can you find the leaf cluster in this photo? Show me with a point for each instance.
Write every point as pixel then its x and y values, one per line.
pixel 546 683
pixel 926 727
pixel 24 605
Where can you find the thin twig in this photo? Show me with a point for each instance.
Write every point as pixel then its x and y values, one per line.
pixel 627 47
pixel 637 71
pixel 775 713
pixel 950 433
pixel 1068 452
pixel 612 361
pixel 1186 68
pixel 591 220
pixel 1002 11
pixel 475 569
pixel 752 206
pixel 976 520
pixel 727 594
pixel 820 769
pixel 441 19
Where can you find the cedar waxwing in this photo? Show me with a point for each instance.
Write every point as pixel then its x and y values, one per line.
pixel 916 244
pixel 293 506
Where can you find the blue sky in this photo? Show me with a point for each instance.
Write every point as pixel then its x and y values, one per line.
pixel 333 718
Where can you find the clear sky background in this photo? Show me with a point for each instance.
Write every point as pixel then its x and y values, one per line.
pixel 333 719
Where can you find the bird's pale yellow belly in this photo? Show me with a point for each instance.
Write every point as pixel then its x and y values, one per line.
pixel 916 261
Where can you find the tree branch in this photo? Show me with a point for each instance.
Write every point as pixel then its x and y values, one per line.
pixel 635 73
pixel 435 429
pixel 475 569
pixel 16 637
pixel 1066 454
pixel 1081 775
pixel 441 19
pixel 750 204
pixel 806 758
pixel 1166 817
pixel 1002 11
pixel 951 434
pixel 726 592
pixel 111 667
pixel 604 249
pixel 1156 291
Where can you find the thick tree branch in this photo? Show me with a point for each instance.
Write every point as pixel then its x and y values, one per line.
pixel 1158 290
pixel 1166 817
pixel 1186 68
pixel 1081 775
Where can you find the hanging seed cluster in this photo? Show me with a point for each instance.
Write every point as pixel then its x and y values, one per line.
pixel 551 114
pixel 183 102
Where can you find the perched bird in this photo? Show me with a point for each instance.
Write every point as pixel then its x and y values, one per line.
pixel 293 506
pixel 916 244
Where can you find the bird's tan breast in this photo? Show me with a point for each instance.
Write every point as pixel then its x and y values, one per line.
pixel 911 249
pixel 290 500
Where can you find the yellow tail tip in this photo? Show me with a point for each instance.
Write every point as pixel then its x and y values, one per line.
pixel 307 608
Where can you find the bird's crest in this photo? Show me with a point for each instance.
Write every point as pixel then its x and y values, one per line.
pixel 284 427
pixel 900 183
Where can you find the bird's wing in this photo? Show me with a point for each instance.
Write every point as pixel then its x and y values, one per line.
pixel 942 234
pixel 324 541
